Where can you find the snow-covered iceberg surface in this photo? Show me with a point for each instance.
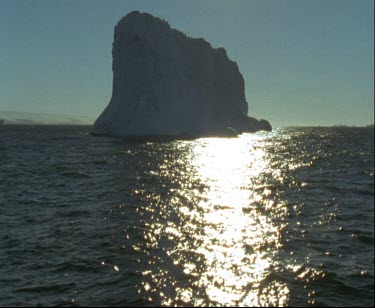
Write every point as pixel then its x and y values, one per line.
pixel 165 83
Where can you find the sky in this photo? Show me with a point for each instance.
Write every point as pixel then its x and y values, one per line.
pixel 304 62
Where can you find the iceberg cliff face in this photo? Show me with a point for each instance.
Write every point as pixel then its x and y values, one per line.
pixel 165 83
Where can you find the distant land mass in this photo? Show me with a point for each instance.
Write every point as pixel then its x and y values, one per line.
pixel 165 83
pixel 30 118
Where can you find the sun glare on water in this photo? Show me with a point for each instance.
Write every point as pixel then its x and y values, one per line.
pixel 232 241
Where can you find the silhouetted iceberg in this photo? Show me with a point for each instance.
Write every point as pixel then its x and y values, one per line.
pixel 165 83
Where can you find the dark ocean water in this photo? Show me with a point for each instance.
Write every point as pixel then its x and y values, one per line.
pixel 267 219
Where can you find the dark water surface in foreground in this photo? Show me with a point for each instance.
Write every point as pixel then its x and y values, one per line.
pixel 283 218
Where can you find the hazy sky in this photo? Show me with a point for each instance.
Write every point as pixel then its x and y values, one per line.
pixel 305 62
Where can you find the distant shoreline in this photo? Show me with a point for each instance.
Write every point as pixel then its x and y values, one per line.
pixel 42 124
pixel 11 124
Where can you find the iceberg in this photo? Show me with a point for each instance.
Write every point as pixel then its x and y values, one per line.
pixel 168 84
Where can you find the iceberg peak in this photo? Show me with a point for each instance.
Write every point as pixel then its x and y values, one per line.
pixel 165 83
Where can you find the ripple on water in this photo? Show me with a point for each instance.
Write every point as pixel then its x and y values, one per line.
pixel 267 219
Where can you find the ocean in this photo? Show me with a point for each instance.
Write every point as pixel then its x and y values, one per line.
pixel 284 218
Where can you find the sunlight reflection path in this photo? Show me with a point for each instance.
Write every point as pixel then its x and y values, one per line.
pixel 237 241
